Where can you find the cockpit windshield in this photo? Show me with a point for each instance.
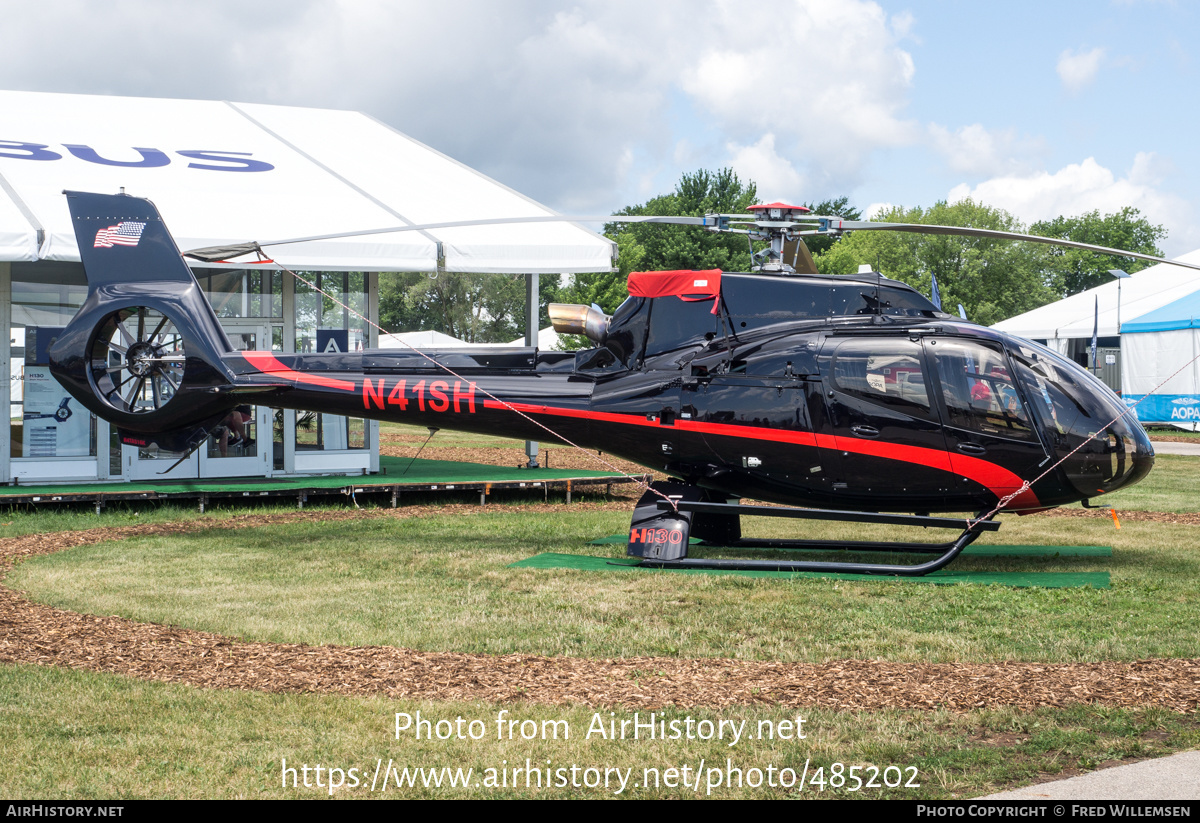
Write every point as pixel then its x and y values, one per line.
pixel 1100 446
pixel 1066 396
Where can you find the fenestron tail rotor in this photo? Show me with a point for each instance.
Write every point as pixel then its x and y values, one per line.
pixel 137 360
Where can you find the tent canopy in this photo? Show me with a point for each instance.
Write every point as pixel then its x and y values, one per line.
pixel 223 173
pixel 1183 313
pixel 1141 293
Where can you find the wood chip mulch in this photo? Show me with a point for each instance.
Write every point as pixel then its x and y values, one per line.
pixel 38 634
pixel 1180 518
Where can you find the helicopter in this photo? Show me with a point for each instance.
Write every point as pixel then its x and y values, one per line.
pixel 848 397
pixel 62 414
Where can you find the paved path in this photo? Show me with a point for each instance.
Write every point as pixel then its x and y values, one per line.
pixel 1168 447
pixel 1167 778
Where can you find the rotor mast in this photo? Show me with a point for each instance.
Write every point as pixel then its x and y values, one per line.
pixel 775 223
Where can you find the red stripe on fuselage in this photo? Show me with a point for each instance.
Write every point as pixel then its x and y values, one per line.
pixel 265 362
pixel 999 480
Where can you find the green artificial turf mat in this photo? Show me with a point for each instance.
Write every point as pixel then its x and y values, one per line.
pixel 974 550
pixel 1046 580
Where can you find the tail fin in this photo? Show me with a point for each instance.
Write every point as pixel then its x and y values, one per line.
pixel 144 351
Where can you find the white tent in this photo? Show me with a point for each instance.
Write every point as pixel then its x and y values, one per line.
pixel 1074 317
pixel 423 340
pixel 547 340
pixel 224 172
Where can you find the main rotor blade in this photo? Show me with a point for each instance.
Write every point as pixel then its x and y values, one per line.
pixel 809 225
pixel 838 226
pixel 213 254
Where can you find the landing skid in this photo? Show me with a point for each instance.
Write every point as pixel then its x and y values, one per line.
pixel 660 533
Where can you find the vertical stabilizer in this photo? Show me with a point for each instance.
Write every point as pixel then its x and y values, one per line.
pixel 144 351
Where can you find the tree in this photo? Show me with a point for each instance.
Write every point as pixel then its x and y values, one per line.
pixel 647 247
pixel 830 208
pixel 396 312
pixel 476 308
pixel 993 279
pixel 1079 270
pixel 655 247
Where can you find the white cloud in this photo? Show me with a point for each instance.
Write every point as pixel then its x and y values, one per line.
pixel 776 177
pixel 747 78
pixel 574 104
pixel 550 101
pixel 1087 186
pixel 1076 71
pixel 977 151
pixel 587 106
pixel 903 24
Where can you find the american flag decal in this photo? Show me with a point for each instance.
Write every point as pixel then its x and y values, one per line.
pixel 127 233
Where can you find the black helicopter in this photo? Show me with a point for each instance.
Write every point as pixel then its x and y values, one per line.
pixel 851 397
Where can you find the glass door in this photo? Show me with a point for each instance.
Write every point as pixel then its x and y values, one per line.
pixel 234 448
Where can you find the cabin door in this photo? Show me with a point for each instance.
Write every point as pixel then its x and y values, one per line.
pixel 751 420
pixel 890 451
pixel 989 434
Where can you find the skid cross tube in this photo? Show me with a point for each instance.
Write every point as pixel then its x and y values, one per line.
pixel 828 514
pixel 946 551
pixel 825 545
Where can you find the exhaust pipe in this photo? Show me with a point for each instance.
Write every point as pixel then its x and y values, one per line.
pixel 570 318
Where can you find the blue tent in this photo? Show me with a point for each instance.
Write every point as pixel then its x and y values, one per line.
pixel 1161 354
pixel 1184 313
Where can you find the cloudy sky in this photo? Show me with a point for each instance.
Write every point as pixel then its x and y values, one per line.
pixel 1039 108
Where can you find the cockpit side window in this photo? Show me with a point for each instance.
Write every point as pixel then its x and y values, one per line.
pixel 885 372
pixel 978 390
pixel 1067 397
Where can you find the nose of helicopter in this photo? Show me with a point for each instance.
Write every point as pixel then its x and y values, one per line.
pixel 1098 443
pixel 1139 460
pixel 1115 459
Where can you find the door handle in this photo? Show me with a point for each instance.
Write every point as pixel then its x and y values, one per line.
pixel 971 448
pixel 865 431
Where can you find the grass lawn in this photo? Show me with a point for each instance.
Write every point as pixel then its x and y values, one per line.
pixel 79 735
pixel 1173 485
pixel 402 434
pixel 442 582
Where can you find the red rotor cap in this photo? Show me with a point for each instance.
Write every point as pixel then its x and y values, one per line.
pixel 778 205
